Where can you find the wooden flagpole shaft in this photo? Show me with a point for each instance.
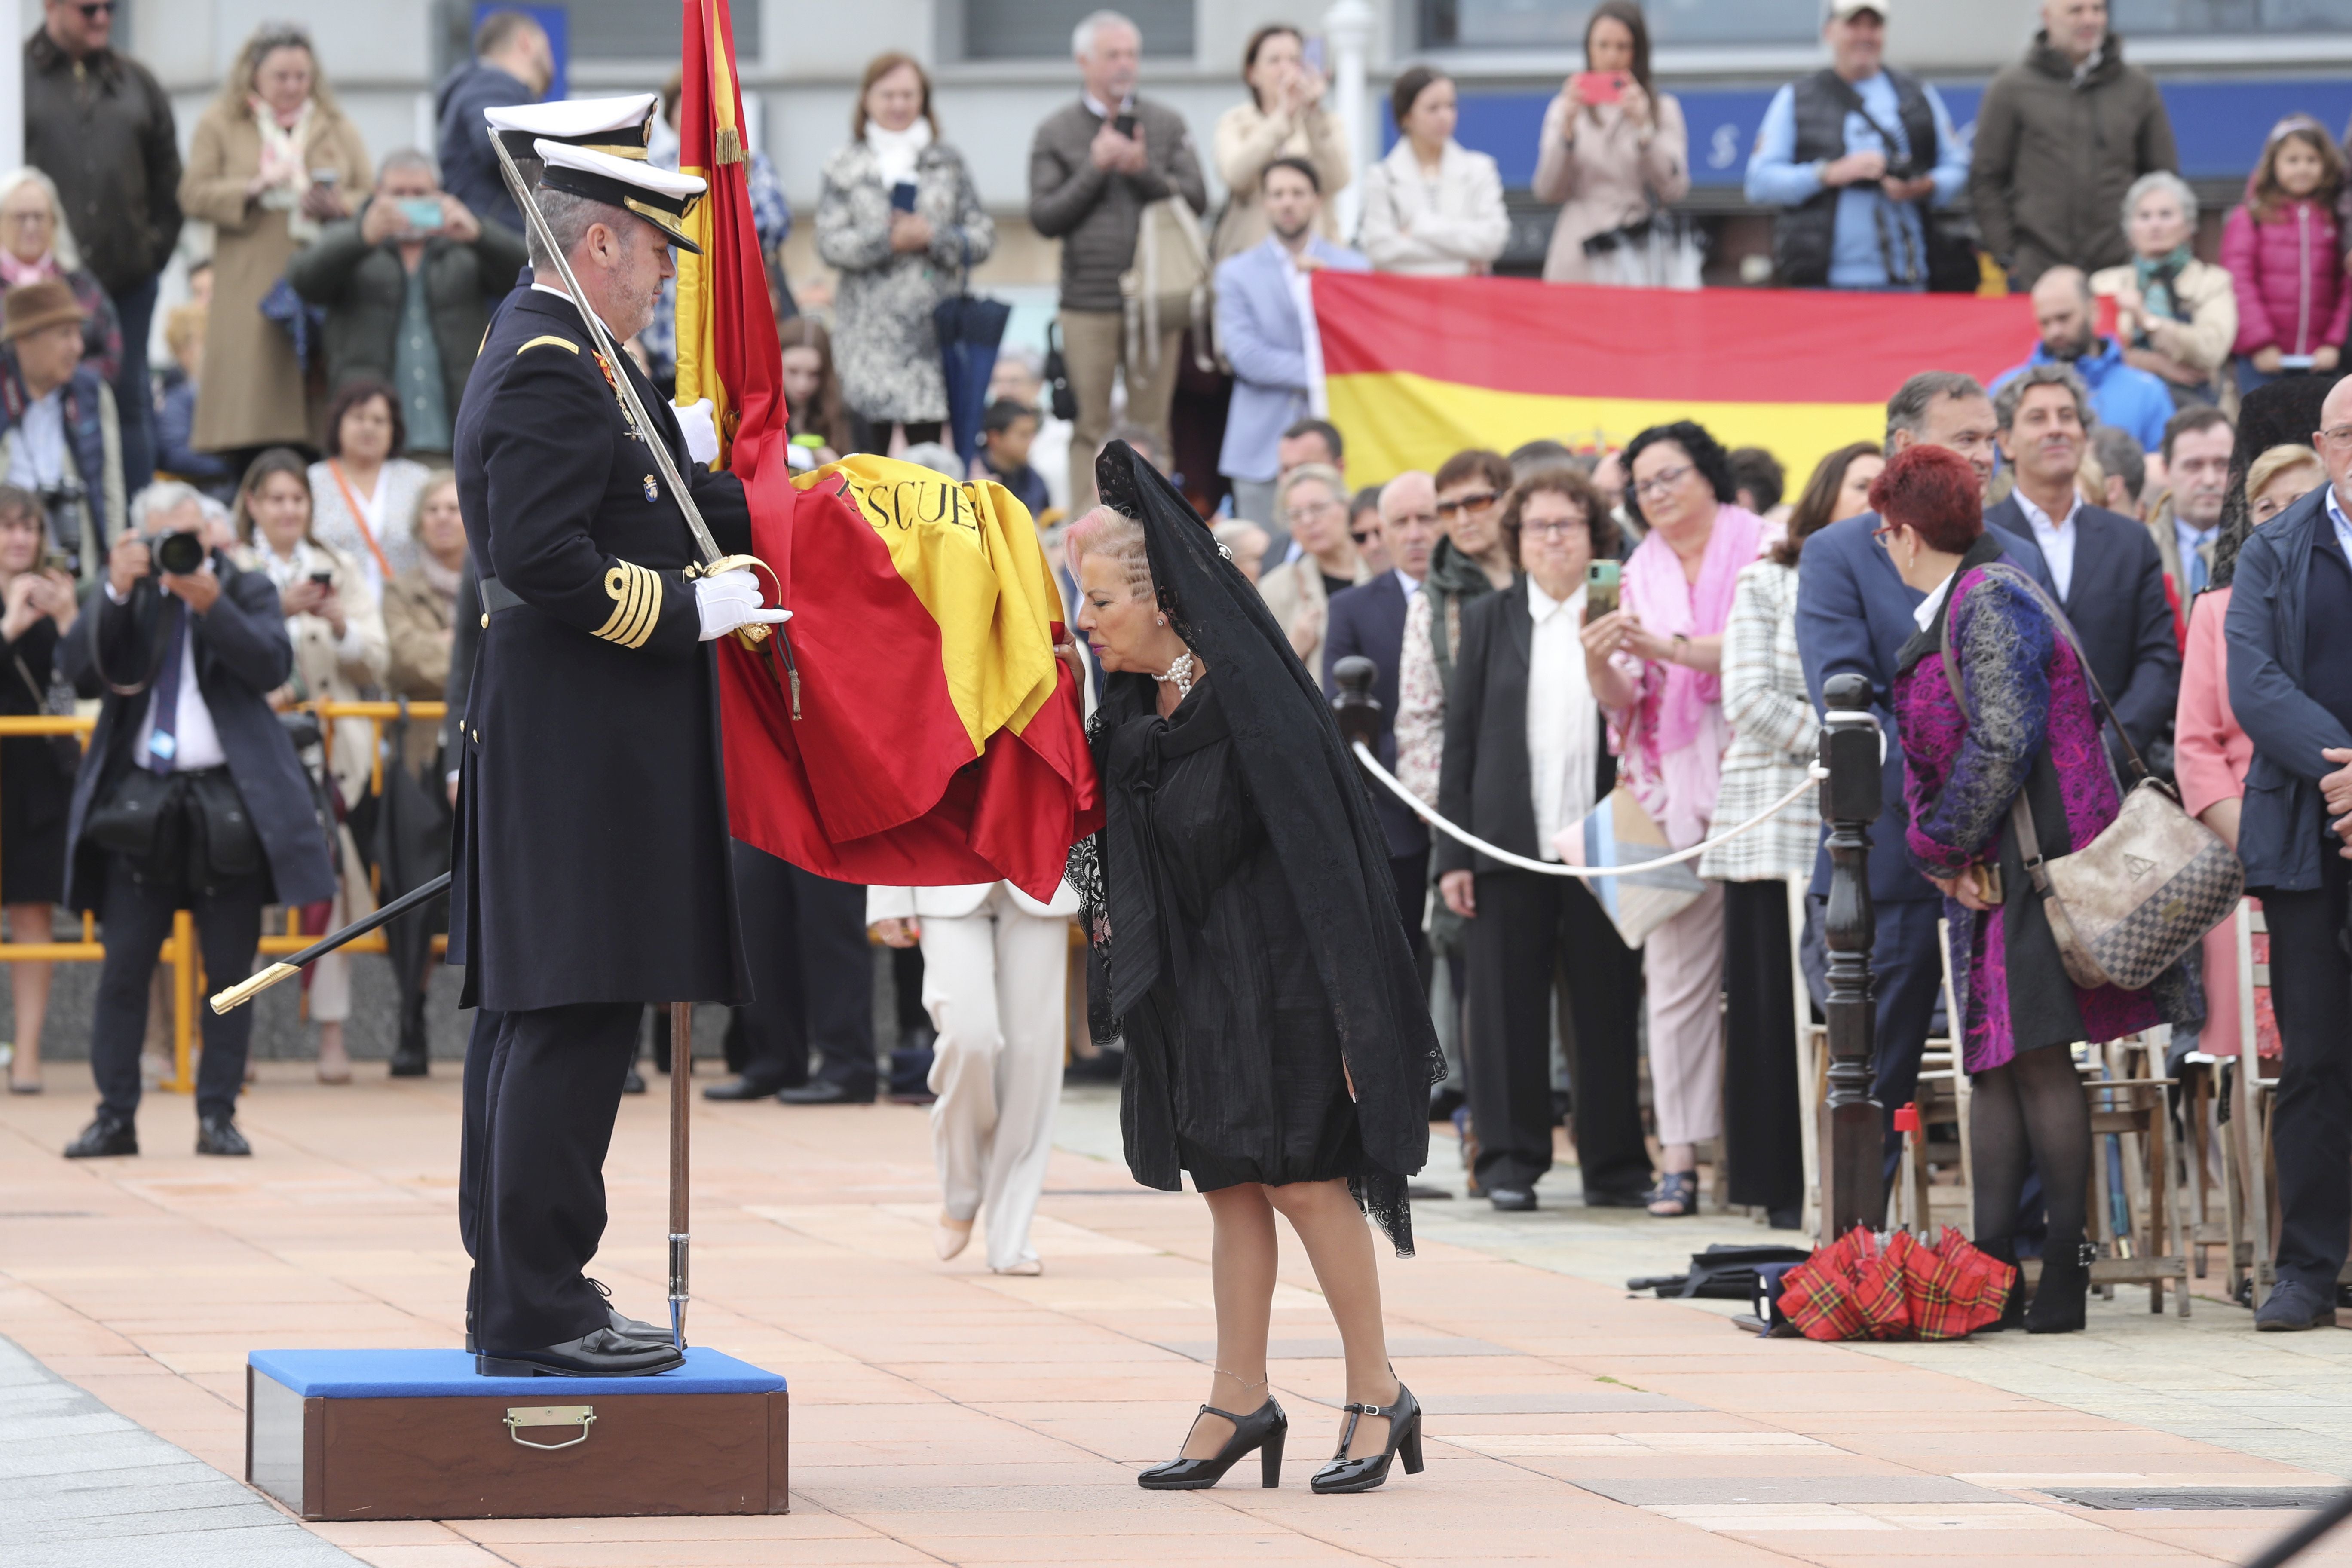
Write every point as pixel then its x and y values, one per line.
pixel 681 1107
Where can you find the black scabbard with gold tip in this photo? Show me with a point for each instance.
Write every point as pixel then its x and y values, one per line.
pixel 244 991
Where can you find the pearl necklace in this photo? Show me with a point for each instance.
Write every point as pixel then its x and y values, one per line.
pixel 1180 675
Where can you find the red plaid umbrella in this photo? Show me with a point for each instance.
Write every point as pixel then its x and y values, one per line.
pixel 1856 1289
pixel 1982 1282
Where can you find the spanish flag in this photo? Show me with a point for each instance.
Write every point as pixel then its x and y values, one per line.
pixel 924 733
pixel 727 346
pixel 1417 369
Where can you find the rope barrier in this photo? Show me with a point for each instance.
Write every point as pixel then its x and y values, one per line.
pixel 1814 775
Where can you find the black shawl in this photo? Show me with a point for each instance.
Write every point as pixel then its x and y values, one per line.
pixel 1318 811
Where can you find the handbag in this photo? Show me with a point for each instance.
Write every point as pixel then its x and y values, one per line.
pixel 2128 905
pixel 127 819
pixel 1171 278
pixel 1621 831
pixel 57 702
pixel 1057 376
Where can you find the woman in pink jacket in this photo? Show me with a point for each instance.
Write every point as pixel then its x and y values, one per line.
pixel 2281 248
pixel 2212 751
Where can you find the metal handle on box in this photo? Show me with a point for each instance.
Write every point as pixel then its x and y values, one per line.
pixel 521 1416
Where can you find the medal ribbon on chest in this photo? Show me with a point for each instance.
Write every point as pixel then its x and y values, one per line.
pixel 628 420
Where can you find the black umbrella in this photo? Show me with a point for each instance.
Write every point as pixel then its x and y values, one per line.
pixel 968 328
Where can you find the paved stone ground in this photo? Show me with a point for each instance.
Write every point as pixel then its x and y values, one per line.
pixel 81 1486
pixel 944 1415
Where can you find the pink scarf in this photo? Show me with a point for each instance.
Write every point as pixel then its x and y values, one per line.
pixel 16 274
pixel 1656 591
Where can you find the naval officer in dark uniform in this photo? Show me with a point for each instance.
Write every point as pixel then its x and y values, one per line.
pixel 592 871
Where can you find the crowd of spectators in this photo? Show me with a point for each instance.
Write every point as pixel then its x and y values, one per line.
pixel 1566 640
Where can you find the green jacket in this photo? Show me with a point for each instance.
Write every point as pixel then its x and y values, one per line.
pixel 363 286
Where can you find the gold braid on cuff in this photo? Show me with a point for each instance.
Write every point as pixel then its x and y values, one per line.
pixel 636 595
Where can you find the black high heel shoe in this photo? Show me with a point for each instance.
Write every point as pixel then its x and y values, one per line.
pixel 1346 1475
pixel 1263 1429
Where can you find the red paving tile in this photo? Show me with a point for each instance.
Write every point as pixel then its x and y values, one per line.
pixel 942 1415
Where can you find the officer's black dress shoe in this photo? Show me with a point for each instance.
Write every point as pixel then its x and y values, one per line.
pixel 107 1135
pixel 821 1093
pixel 600 1353
pixel 218 1135
pixel 634 1083
pixel 1602 1198
pixel 745 1086
pixel 2292 1307
pixel 1511 1200
pixel 634 1327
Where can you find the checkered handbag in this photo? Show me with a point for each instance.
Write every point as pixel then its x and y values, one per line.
pixel 2126 906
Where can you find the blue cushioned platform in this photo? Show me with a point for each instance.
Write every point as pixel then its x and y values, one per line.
pixel 423 1374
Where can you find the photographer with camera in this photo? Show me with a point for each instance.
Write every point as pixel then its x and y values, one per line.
pixel 408 284
pixel 1858 158
pixel 196 801
pixel 59 436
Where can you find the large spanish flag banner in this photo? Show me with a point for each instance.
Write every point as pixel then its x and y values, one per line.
pixel 1417 369
pixel 923 732
pixel 909 725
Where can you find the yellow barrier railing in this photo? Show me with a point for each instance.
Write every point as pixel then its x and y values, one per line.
pixel 180 951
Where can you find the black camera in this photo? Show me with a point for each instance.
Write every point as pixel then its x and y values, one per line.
pixel 179 554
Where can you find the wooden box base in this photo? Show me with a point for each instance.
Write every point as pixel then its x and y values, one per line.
pixel 337 1434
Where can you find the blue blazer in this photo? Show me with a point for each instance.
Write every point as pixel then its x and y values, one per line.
pixel 2281 827
pixel 2117 603
pixel 1854 615
pixel 1261 336
pixel 1368 619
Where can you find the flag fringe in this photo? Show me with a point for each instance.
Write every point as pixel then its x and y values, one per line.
pixel 730 145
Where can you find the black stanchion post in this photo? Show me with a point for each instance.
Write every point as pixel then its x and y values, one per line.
pixel 1852 1139
pixel 1356 709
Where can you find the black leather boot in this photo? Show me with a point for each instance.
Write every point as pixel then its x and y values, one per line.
pixel 2058 1300
pixel 411 1059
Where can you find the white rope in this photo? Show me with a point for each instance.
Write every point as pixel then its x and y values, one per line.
pixel 1814 775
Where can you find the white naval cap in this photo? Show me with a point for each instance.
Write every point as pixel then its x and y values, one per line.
pixel 619 126
pixel 660 197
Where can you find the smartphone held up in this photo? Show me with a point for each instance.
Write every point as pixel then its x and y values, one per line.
pixel 1601 589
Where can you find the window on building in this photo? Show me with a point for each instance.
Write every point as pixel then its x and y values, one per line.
pixel 1040 29
pixel 633 30
pixel 1560 23
pixel 2144 18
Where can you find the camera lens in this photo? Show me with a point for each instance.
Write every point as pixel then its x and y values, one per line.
pixel 179 553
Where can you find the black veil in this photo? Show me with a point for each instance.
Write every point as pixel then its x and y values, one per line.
pixel 1318 811
pixel 2282 414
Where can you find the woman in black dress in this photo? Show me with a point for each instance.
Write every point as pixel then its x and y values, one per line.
pixel 1278 1048
pixel 37 608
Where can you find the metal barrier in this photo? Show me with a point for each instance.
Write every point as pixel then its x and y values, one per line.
pixel 180 951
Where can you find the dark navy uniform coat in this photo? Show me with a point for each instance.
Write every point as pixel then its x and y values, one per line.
pixel 591 858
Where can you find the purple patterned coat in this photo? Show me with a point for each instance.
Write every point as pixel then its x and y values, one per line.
pixel 2027 693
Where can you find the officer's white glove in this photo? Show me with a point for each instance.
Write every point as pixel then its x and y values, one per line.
pixel 699 423
pixel 731 599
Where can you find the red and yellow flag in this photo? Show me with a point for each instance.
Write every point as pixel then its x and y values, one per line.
pixel 727 347
pixel 937 739
pixel 1417 369
pixel 909 725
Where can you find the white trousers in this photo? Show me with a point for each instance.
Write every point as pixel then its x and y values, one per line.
pixel 994 985
pixel 1682 963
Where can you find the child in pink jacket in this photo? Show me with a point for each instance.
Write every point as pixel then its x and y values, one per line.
pixel 2281 249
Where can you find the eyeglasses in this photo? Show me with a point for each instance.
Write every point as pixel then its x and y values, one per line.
pixel 1559 529
pixel 1366 537
pixel 1308 510
pixel 2338 436
pixel 40 219
pixel 1660 482
pixel 1459 504
pixel 97 8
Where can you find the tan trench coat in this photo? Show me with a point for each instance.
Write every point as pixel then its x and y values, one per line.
pixel 257 393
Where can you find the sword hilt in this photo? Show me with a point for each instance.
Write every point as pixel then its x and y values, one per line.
pixel 246 990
